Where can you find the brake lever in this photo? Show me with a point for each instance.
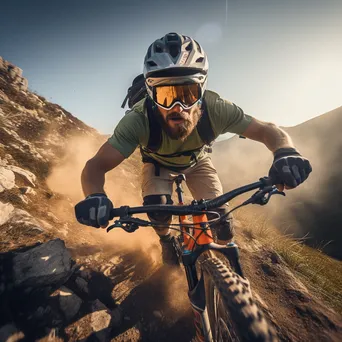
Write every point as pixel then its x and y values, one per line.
pixel 129 224
pixel 263 196
pixel 265 199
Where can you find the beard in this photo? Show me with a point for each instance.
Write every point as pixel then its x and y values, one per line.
pixel 182 130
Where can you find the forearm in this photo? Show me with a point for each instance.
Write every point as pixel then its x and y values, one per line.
pixel 276 138
pixel 92 179
pixel 269 134
pixel 93 174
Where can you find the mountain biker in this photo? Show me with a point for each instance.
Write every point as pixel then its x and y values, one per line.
pixel 175 72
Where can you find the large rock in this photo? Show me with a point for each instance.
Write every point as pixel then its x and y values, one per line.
pixel 27 175
pixel 100 321
pixel 6 210
pixel 21 220
pixel 15 74
pixel 82 285
pixel 7 179
pixel 69 303
pixel 10 333
pixel 14 71
pixel 48 264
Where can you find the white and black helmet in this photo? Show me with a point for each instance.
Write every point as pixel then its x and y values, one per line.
pixel 175 59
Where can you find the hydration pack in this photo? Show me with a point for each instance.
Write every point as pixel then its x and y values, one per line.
pixel 135 92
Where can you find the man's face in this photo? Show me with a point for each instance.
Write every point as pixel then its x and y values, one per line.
pixel 177 122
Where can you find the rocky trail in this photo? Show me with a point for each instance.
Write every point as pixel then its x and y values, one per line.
pixel 297 314
pixel 91 293
pixel 60 281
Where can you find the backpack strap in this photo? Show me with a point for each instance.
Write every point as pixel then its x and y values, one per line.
pixel 155 138
pixel 204 128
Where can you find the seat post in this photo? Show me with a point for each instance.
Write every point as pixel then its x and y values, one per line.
pixel 178 180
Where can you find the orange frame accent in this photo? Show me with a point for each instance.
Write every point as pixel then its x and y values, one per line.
pixel 202 237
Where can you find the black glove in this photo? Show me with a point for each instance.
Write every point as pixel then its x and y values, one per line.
pixel 289 167
pixel 94 210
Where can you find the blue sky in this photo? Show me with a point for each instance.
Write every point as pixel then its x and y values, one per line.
pixel 278 60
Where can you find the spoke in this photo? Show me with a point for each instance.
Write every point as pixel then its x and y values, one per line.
pixel 224 331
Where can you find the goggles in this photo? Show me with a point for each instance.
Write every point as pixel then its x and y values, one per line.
pixel 186 95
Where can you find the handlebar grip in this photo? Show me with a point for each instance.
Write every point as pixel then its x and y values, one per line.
pixel 118 212
pixel 268 181
pixel 271 181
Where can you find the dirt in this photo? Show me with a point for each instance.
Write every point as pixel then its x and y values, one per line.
pixel 296 313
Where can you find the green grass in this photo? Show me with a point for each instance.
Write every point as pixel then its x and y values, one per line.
pixel 319 272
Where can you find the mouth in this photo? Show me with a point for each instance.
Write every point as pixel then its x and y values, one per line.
pixel 176 120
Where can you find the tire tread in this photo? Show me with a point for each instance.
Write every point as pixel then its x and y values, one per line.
pixel 237 297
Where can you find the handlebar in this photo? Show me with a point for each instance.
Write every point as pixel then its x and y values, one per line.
pixel 265 186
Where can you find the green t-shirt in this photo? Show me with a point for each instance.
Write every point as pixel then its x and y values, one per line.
pixel 133 130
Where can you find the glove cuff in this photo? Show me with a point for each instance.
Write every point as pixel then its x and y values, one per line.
pixel 97 194
pixel 285 152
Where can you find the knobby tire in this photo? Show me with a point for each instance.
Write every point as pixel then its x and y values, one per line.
pixel 233 314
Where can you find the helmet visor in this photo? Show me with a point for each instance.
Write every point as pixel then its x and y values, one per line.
pixel 186 94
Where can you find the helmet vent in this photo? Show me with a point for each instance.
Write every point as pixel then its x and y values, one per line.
pixel 199 60
pixel 159 49
pixel 151 63
pixel 189 47
pixel 172 37
pixel 174 51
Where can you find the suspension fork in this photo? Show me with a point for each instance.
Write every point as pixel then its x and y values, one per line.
pixel 196 291
pixel 196 296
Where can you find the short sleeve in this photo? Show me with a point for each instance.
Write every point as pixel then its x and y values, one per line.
pixel 131 131
pixel 226 116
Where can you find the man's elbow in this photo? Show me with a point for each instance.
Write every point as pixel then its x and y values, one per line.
pixel 272 126
pixel 258 130
pixel 93 166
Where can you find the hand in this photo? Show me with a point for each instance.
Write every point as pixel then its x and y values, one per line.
pixel 94 210
pixel 289 168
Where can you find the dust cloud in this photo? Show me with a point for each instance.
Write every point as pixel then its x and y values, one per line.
pixel 313 210
pixel 122 187
pixel 65 177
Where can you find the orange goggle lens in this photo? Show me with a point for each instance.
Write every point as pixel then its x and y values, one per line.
pixel 187 94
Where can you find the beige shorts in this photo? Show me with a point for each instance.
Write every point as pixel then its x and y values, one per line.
pixel 201 179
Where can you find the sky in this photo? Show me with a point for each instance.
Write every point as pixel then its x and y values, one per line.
pixel 279 60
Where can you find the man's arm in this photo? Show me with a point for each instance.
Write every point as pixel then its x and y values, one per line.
pixel 93 174
pixel 289 168
pixel 269 134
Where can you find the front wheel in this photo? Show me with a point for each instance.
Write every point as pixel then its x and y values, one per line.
pixel 233 314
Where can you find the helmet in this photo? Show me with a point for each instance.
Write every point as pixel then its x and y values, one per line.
pixel 175 59
pixel 175 53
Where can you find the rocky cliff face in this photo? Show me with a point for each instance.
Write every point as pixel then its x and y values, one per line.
pixel 37 140
pixel 14 73
pixel 33 136
pixel 43 148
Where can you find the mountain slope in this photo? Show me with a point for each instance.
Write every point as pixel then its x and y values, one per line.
pixel 116 288
pixel 314 207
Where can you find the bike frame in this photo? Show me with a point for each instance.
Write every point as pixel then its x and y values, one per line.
pixel 190 250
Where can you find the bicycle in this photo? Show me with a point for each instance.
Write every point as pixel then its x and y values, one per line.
pixel 219 293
